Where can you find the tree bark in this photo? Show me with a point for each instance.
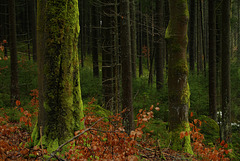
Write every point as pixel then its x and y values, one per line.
pixel 126 65
pixel 94 40
pixel 60 102
pixel 159 44
pixel 133 36
pixel 178 88
pixel 34 28
pixel 226 98
pixel 107 53
pixel 212 59
pixel 192 36
pixel 13 53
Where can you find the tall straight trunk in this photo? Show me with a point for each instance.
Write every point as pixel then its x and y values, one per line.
pixel 133 36
pixel 83 31
pixel 141 40
pixel 147 41
pixel 212 59
pixel 116 62
pixel 60 102
pixel 199 39
pixel 166 20
pixel 226 98
pixel 202 37
pixel 178 87
pixel 34 28
pixel 159 44
pixel 126 65
pixel 192 35
pixel 13 53
pixel 107 53
pixel 238 31
pixel 95 41
pixel 151 45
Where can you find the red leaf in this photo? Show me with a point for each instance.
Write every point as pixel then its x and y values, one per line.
pixel 191 115
pixel 21 109
pixel 25 113
pixel 222 143
pixel 226 146
pixel 18 103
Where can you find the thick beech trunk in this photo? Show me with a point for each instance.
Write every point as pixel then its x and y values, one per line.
pixel 60 102
pixel 178 88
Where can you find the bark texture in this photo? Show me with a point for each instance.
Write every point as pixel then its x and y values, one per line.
pixel 178 88
pixel 192 35
pixel 212 60
pixel 61 108
pixel 226 98
pixel 159 44
pixel 13 53
pixel 126 65
pixel 107 53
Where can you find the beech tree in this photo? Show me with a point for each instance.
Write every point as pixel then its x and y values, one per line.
pixel 60 102
pixel 178 88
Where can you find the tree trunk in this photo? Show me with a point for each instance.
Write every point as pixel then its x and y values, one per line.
pixel 60 102
pixel 192 35
pixel 126 65
pixel 159 55
pixel 178 88
pixel 133 36
pixel 107 53
pixel 226 98
pixel 94 40
pixel 34 28
pixel 141 40
pixel 13 53
pixel 212 59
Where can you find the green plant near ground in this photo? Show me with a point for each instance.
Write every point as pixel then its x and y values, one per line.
pixel 202 151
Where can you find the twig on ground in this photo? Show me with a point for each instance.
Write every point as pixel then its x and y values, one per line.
pixel 53 154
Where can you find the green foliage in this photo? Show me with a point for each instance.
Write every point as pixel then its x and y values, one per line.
pixel 158 130
pixel 199 94
pixel 145 96
pixel 27 73
pixel 90 86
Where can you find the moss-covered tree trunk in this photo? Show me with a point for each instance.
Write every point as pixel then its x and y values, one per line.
pixel 60 99
pixel 178 88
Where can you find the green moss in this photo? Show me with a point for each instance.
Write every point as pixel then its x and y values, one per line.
pixel 181 67
pixel 32 156
pixel 209 128
pixel 100 111
pixel 53 145
pixel 185 96
pixel 178 144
